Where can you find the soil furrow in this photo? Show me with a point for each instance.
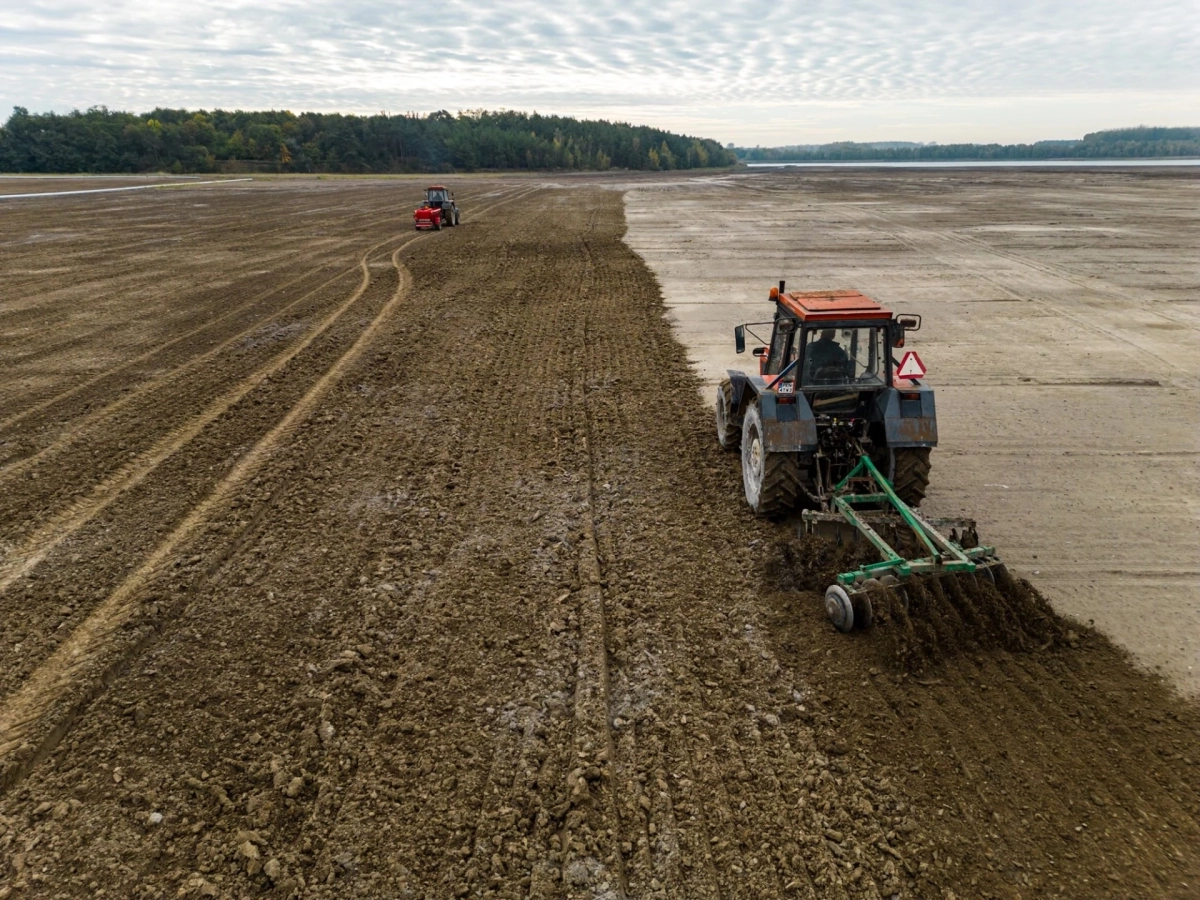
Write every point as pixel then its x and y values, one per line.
pixel 468 604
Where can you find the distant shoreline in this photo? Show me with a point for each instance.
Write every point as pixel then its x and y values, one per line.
pixel 1075 163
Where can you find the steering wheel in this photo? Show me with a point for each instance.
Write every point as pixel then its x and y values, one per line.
pixel 829 373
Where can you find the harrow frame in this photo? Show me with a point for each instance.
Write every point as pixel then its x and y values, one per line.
pixel 938 554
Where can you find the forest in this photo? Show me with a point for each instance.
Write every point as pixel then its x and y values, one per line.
pixel 101 140
pixel 1118 143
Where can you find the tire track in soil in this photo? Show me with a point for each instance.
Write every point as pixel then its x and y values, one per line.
pixel 51 531
pixel 166 218
pixel 23 711
pixel 593 863
pixel 54 676
pixel 271 287
pixel 79 424
pixel 377 692
pixel 152 278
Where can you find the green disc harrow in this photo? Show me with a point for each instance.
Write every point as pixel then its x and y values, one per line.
pixel 863 506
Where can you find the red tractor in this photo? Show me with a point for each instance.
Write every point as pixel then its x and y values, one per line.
pixel 827 392
pixel 438 209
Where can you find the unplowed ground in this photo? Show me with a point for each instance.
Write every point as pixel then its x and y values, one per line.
pixel 340 562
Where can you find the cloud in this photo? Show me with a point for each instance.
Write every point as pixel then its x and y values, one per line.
pixel 731 66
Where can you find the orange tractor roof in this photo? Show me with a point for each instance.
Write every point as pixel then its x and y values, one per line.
pixel 436 187
pixel 824 305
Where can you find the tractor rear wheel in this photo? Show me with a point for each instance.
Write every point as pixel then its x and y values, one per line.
pixel 771 480
pixel 910 477
pixel 729 434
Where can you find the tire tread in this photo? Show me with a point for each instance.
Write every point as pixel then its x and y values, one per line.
pixel 911 479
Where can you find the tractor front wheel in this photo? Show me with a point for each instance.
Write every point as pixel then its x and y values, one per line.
pixel 771 480
pixel 910 478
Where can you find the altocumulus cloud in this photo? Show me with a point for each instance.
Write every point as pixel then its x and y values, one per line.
pixel 771 70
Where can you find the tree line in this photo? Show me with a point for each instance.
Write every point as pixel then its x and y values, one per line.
pixel 1118 143
pixel 101 140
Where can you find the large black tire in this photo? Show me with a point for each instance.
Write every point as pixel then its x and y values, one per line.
pixel 729 433
pixel 911 477
pixel 771 480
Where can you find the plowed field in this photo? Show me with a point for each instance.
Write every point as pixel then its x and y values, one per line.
pixel 341 561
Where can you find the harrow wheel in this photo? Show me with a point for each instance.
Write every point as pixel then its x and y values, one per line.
pixel 839 608
pixel 850 611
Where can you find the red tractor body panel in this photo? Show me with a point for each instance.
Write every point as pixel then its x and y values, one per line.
pixel 817 306
pixel 427 217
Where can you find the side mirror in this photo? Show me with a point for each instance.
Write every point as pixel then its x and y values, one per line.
pixel 739 338
pixel 760 352
pixel 909 322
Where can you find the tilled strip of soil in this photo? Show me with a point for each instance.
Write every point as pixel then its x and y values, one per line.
pixel 101 498
pixel 83 303
pixel 497 623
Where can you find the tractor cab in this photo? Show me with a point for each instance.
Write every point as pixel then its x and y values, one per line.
pixel 436 195
pixel 833 346
pixel 828 340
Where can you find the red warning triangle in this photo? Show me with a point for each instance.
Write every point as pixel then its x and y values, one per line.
pixel 911 366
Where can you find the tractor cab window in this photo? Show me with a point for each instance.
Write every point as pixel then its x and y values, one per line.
pixel 838 356
pixel 437 196
pixel 778 356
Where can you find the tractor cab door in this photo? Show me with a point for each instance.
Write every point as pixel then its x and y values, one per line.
pixel 780 352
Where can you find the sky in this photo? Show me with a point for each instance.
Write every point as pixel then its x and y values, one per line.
pixel 750 73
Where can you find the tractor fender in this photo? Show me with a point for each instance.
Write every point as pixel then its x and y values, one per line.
pixel 908 422
pixel 787 427
pixel 742 392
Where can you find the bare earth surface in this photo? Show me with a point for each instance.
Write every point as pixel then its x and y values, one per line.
pixel 37 184
pixel 340 561
pixel 1061 331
